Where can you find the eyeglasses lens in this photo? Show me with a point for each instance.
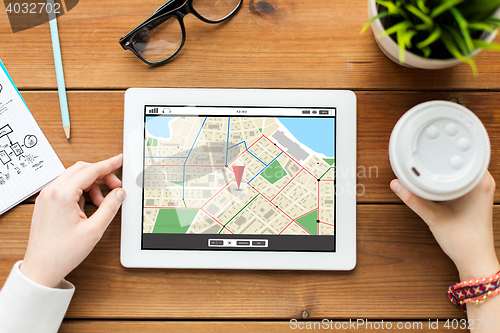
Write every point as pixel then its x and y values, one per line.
pixel 215 10
pixel 159 39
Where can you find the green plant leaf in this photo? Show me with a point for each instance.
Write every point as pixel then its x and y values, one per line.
pixel 444 7
pixel 407 36
pixel 434 36
pixel 392 8
pixel 493 21
pixel 481 44
pixel 480 26
pixel 427 51
pixel 473 66
pixel 401 45
pixel 422 7
pixel 452 48
pixel 394 29
pixel 450 45
pixel 373 19
pixel 459 40
pixel 462 23
pixel 478 10
pixel 421 27
pixel 429 23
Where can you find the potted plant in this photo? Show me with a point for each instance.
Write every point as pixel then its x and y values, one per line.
pixel 434 34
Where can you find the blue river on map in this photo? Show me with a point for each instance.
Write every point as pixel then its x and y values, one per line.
pixel 158 126
pixel 315 133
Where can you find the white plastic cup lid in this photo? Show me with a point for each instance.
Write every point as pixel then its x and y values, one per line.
pixel 439 150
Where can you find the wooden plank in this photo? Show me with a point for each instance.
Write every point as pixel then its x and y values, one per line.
pixel 299 44
pixel 96 125
pixel 70 326
pixel 378 112
pixel 97 129
pixel 401 273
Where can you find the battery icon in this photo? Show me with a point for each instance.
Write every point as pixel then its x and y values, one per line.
pixel 324 112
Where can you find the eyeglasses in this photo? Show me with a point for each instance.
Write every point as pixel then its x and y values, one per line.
pixel 162 36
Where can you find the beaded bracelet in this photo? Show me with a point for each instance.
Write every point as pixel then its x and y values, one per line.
pixel 474 291
pixel 483 298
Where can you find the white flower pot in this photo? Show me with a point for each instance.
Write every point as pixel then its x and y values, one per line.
pixel 391 49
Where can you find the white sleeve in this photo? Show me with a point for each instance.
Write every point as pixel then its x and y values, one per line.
pixel 26 306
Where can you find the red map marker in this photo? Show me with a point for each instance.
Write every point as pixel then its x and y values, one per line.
pixel 238 173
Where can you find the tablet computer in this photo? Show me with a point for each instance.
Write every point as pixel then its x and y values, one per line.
pixel 239 179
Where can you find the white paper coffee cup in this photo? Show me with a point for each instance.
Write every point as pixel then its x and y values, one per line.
pixel 439 150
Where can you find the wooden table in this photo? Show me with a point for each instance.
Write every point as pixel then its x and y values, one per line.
pixel 401 275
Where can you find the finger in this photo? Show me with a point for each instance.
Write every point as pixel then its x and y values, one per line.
pixel 69 172
pixel 424 208
pixel 112 181
pixel 484 190
pixel 85 177
pixel 75 168
pixel 96 194
pixel 108 209
pixel 491 180
pixel 81 203
pixel 486 185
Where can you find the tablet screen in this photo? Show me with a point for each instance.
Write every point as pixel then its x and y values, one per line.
pixel 250 179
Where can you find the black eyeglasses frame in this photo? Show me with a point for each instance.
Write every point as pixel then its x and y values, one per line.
pixel 165 12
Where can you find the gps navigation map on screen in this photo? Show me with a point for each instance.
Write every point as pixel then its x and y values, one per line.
pixel 239 177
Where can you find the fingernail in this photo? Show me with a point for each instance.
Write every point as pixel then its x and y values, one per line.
pixel 121 194
pixel 395 186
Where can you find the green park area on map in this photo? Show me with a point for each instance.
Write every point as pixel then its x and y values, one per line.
pixel 274 172
pixel 310 222
pixel 174 221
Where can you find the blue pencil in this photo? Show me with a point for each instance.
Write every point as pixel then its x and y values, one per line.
pixel 63 101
